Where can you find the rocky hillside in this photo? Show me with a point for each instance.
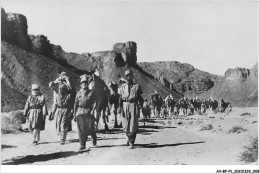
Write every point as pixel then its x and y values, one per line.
pixel 28 59
pixel 240 86
pixel 180 77
pixel 20 69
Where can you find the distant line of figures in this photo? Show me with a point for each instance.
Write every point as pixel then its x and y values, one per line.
pixel 184 106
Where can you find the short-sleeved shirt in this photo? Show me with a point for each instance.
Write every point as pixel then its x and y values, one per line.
pixel 85 100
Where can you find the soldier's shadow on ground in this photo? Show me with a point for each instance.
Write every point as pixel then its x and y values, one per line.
pixel 90 139
pixel 152 145
pixel 38 158
pixel 156 127
pixel 156 145
pixel 51 142
pixel 3 146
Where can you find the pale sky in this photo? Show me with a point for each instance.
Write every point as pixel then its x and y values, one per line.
pixel 210 35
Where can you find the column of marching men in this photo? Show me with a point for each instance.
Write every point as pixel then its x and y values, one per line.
pixel 84 107
pixel 169 107
pixel 80 107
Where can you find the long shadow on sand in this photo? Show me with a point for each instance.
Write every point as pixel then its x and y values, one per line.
pixel 3 146
pixel 111 131
pixel 51 142
pixel 155 145
pixel 90 139
pixel 151 145
pixel 38 158
pixel 156 127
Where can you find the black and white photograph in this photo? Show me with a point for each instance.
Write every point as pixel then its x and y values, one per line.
pixel 126 86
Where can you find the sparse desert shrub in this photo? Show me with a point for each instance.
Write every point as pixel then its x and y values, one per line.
pixel 11 122
pixel 245 114
pixel 206 127
pixel 180 123
pixel 250 154
pixel 236 129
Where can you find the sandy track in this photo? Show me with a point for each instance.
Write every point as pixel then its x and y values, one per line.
pixel 160 142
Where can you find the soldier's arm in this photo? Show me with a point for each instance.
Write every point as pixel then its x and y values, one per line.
pixel 120 102
pixel 26 108
pixel 76 105
pixel 44 108
pixel 93 100
pixel 54 107
pixel 139 95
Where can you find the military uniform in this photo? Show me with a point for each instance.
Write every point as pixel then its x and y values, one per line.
pixel 131 100
pixel 83 107
pixel 157 103
pixel 35 111
pixel 62 110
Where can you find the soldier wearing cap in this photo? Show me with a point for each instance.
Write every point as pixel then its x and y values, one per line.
pixel 84 107
pixel 131 102
pixel 35 112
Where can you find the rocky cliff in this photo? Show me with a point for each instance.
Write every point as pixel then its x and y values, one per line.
pixel 20 69
pixel 237 74
pixel 14 29
pixel 28 59
pixel 240 86
pixel 180 77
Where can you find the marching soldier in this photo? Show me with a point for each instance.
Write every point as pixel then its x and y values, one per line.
pixel 84 107
pixel 36 111
pixel 131 102
pixel 62 110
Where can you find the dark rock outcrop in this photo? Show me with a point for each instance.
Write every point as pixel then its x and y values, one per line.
pixel 127 51
pixel 14 29
pixel 41 45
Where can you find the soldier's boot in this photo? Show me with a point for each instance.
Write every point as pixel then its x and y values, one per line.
pixel 116 125
pixel 106 128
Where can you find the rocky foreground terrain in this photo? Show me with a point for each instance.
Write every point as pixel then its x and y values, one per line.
pixel 27 59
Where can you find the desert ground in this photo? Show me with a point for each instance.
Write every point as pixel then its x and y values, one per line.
pixel 212 139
